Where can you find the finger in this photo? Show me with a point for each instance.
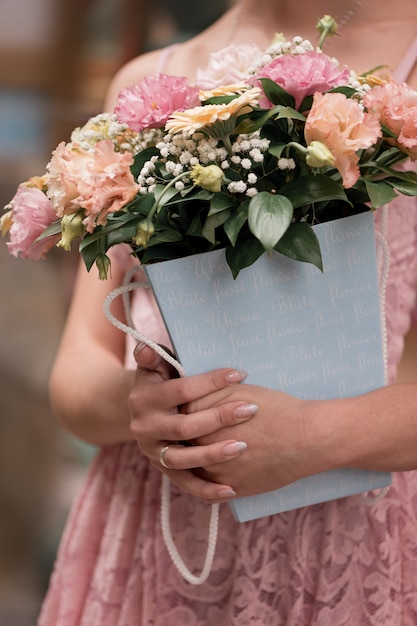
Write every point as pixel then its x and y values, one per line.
pixel 179 457
pixel 210 492
pixel 207 422
pixel 150 361
pixel 187 389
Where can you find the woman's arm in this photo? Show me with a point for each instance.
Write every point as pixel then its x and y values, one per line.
pixel 88 384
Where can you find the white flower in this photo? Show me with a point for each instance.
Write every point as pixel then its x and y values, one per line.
pixel 256 155
pixel 286 164
pixel 238 186
pixel 227 66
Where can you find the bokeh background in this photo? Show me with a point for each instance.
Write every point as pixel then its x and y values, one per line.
pixel 56 60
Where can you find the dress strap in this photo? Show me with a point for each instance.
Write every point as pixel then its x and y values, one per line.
pixel 164 57
pixel 405 67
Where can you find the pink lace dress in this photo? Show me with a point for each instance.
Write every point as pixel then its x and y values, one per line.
pixel 338 563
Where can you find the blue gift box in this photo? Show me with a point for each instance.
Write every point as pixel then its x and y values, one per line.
pixel 293 328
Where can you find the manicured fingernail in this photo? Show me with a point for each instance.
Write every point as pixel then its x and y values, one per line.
pixel 231 449
pixel 226 493
pixel 245 410
pixel 236 376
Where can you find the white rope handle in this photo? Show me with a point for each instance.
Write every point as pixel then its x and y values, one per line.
pixel 129 329
pixel 386 263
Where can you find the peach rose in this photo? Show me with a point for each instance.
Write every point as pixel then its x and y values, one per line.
pixel 98 181
pixel 396 106
pixel 341 124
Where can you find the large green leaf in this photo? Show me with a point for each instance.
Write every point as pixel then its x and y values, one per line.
pixel 243 255
pixel 313 188
pixel 269 217
pixel 301 244
pixel 379 193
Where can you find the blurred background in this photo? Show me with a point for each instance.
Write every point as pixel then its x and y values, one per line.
pixel 56 60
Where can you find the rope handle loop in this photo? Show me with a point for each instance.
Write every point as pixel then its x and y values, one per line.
pixel 139 337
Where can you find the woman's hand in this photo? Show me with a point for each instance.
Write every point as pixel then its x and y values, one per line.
pixel 282 441
pixel 157 422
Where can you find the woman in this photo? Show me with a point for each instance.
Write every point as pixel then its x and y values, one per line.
pixel 340 562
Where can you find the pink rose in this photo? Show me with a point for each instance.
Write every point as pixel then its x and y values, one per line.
pixel 32 212
pixel 99 181
pixel 149 103
pixel 302 75
pixel 341 124
pixel 396 106
pixel 228 66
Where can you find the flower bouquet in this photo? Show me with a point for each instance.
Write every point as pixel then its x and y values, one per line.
pixel 249 167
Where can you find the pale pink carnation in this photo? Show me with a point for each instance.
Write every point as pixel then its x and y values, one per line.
pixel 67 164
pixel 109 185
pixel 345 128
pixel 228 66
pixel 396 106
pixel 302 75
pixel 149 103
pixel 99 181
pixel 32 212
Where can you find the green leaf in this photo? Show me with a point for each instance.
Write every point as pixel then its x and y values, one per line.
pixel 277 149
pixel 53 229
pixel 269 217
pixel 220 202
pixel 402 186
pixel 165 236
pixel 121 235
pixel 252 123
pixel 313 188
pixel 291 114
pixel 408 176
pixel 379 193
pixel 234 224
pixel 89 251
pixel 164 194
pixel 212 222
pixel 244 255
pixel 301 244
pixel 276 94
